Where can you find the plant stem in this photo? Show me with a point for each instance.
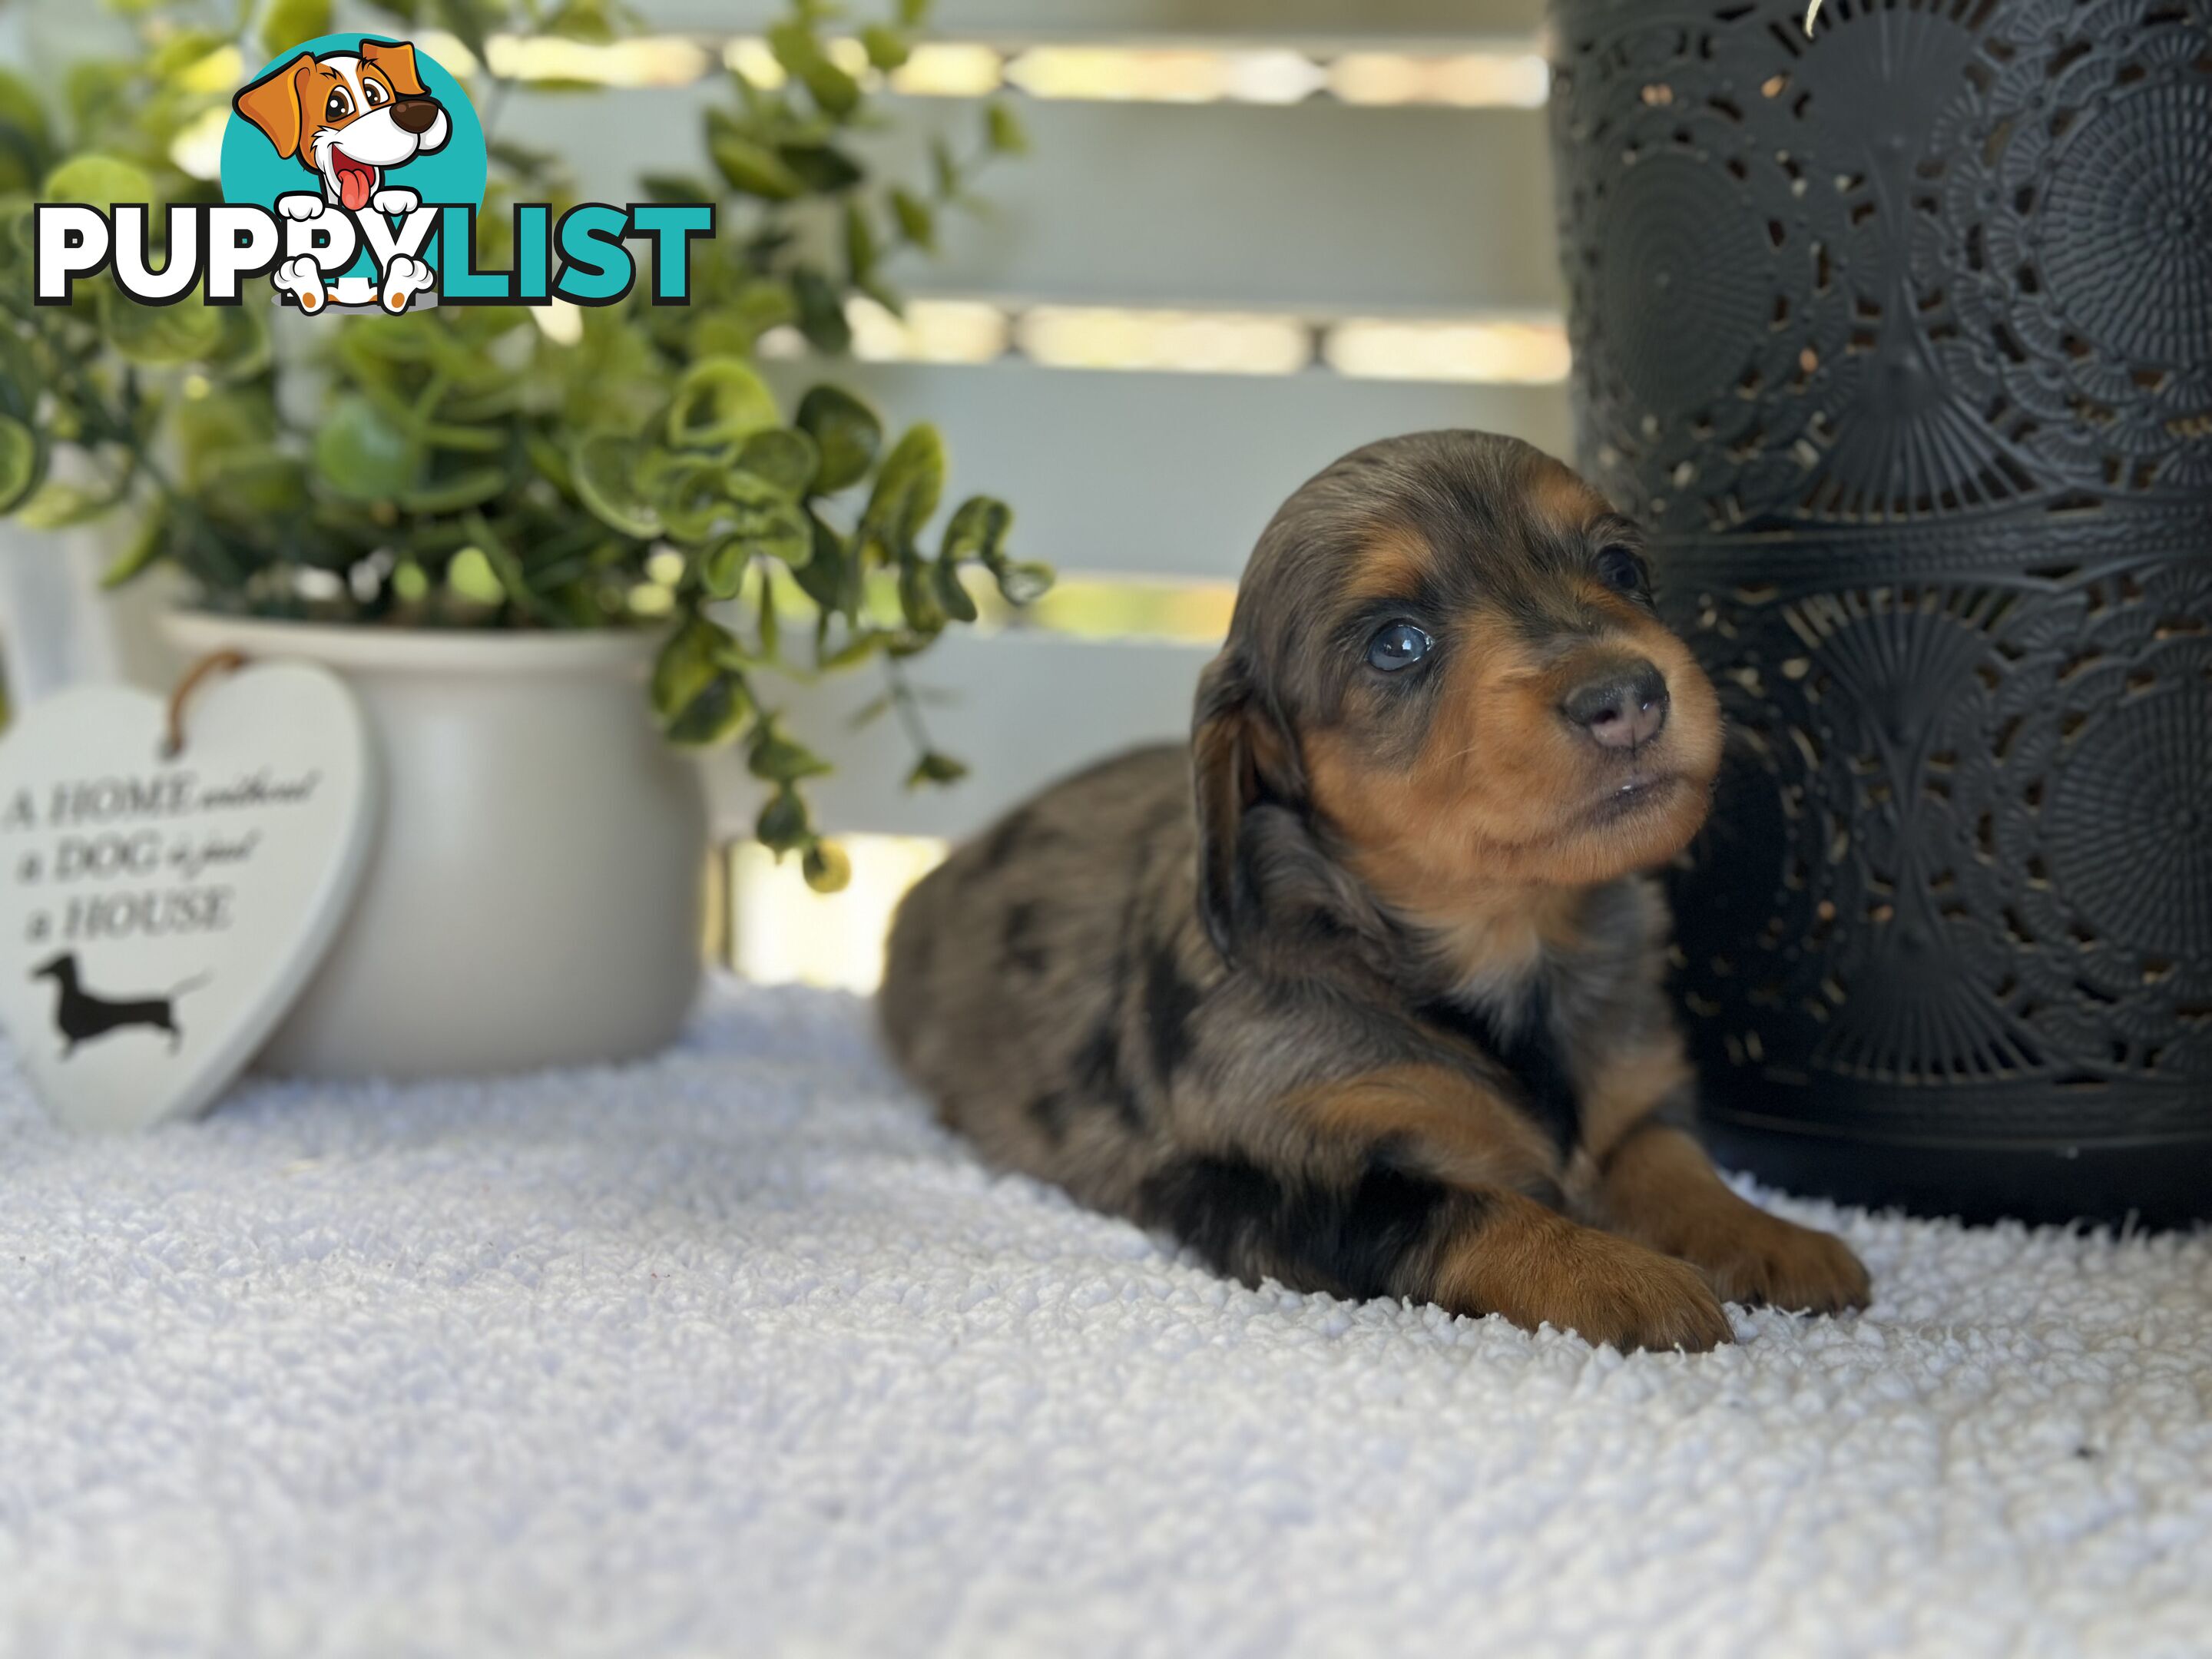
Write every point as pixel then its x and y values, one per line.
pixel 907 706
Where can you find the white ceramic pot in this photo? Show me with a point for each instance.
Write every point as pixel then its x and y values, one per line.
pixel 534 894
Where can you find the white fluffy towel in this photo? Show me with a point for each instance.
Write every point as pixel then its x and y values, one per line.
pixel 737 1353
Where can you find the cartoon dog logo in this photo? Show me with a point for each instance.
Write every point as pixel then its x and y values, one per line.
pixel 351 118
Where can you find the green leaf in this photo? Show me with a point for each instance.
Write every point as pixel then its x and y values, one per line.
pixel 918 600
pixel 583 20
pixel 20 381
pixel 699 695
pixel 160 337
pixel 846 431
pixel 1003 131
pixel 862 646
pixel 1025 584
pixel 471 574
pixel 214 432
pixel 147 545
pixel 23 133
pixel 835 93
pixel 775 758
pixel 771 628
pixel 685 488
pixel 604 466
pixel 513 581
pixel 100 180
pixel 887 48
pixel 860 250
pixel 676 187
pixel 288 22
pixel 538 167
pixel 361 455
pixel 916 219
pixel 825 576
pixel 782 458
pixel 713 717
pixel 782 826
pixel 822 169
pixel 767 521
pixel 933 767
pixel 687 663
pixel 57 506
pixel 720 400
pixel 951 596
pixel 945 169
pixel 23 460
pixel 978 530
pixel 754 169
pixel 470 488
pixel 821 313
pixel 254 486
pixel 908 488
pixel 722 569
pixel 826 867
pixel 181 50
pixel 912 14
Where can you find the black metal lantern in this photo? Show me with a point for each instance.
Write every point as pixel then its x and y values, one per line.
pixel 1900 337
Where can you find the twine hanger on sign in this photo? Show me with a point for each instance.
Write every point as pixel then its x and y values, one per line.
pixel 216 662
pixel 1811 12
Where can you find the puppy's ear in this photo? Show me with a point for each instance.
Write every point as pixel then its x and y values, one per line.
pixel 272 103
pixel 1240 755
pixel 397 63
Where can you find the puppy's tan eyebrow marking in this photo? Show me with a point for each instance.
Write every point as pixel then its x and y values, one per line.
pixel 1395 564
pixel 1564 501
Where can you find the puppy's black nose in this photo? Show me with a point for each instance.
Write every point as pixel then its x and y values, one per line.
pixel 1624 705
pixel 415 114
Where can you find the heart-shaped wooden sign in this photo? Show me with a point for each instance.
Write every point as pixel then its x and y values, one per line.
pixel 161 907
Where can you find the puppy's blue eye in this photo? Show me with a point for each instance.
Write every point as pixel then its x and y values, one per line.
pixel 1620 571
pixel 1398 645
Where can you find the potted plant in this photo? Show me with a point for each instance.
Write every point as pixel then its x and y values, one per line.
pixel 513 533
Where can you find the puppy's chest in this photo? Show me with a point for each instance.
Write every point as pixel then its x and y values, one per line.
pixel 1518 1034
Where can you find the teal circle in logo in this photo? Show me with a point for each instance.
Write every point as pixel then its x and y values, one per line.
pixel 255 171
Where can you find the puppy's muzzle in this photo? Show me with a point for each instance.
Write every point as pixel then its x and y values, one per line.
pixel 415 115
pixel 1621 706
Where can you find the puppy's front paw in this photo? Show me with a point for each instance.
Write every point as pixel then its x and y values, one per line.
pixel 403 278
pixel 1637 1298
pixel 300 205
pixel 1537 1268
pixel 1765 1260
pixel 301 278
pixel 393 200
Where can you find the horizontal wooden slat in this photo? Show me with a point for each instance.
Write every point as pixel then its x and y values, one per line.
pixel 1164 474
pixel 1020 709
pixel 1316 205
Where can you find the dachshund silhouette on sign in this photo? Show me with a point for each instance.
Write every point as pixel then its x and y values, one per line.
pixel 79 1015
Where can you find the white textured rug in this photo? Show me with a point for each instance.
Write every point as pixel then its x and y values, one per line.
pixel 736 1353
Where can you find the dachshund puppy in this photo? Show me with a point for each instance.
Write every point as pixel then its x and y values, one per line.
pixel 1362 990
